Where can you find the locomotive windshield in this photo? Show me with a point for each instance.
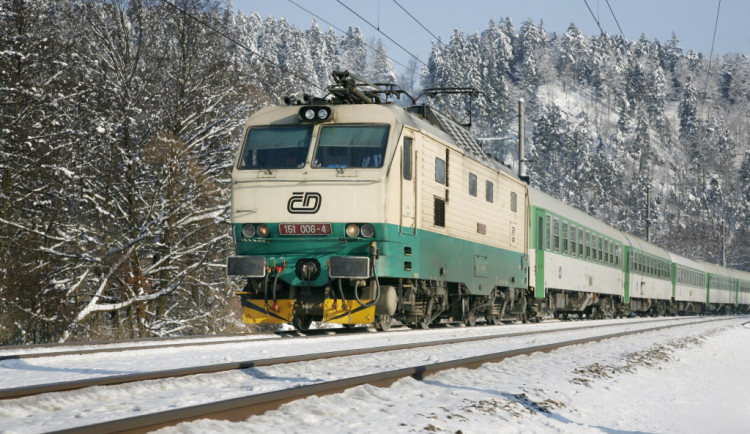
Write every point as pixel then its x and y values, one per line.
pixel 355 146
pixel 276 148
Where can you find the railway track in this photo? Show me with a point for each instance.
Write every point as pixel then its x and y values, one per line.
pixel 240 408
pixel 36 351
pixel 19 392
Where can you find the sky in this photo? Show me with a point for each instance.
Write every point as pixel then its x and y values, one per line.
pixel 692 20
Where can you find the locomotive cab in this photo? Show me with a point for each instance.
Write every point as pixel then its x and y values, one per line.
pixel 309 211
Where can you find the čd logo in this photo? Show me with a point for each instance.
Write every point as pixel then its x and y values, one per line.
pixel 304 203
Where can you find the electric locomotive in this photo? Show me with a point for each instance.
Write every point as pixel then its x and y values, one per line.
pixel 354 210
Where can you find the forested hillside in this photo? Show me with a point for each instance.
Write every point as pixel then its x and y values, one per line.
pixel 119 119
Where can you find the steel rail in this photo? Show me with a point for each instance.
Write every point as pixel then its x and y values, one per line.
pixel 37 389
pixel 239 409
pixel 319 333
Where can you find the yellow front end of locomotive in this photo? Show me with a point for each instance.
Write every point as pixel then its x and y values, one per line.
pixel 351 312
pixel 267 312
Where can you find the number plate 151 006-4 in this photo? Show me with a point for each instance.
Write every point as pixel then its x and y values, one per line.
pixel 305 229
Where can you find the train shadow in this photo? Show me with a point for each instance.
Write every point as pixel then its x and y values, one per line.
pixel 543 408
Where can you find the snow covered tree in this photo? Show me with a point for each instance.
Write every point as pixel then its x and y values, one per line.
pixel 380 69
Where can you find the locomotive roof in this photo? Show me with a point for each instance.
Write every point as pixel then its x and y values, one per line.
pixel 421 117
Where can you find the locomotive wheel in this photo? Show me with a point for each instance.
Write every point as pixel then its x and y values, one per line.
pixel 302 323
pixel 383 322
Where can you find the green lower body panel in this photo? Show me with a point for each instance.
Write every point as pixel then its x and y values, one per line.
pixel 423 255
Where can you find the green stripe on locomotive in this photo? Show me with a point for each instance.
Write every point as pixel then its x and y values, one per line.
pixel 424 255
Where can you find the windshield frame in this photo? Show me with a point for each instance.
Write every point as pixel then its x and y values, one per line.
pixel 374 159
pixel 292 157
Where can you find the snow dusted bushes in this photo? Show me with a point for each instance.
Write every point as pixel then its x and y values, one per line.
pixel 119 125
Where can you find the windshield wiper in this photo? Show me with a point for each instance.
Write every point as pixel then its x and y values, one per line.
pixel 260 160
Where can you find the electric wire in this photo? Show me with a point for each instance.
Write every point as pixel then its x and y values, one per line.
pixel 240 44
pixel 596 20
pixel 381 32
pixel 418 22
pixel 710 57
pixel 615 18
pixel 343 32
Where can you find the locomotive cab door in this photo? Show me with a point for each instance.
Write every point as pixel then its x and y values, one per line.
pixel 408 187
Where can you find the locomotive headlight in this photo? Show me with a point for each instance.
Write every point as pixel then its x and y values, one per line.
pixel 309 114
pixel 263 230
pixel 367 230
pixel 352 230
pixel 248 231
pixel 323 114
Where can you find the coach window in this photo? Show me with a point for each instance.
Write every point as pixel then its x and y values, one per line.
pixel 556 235
pixel 406 161
pixel 618 252
pixel 473 184
pixel 593 247
pixel 573 250
pixel 606 252
pixel 565 237
pixel 580 243
pixel 588 245
pixel 439 170
pixel 489 192
pixel 599 245
pixel 549 230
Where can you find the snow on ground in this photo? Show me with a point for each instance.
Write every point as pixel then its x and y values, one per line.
pixel 689 379
pixel 27 372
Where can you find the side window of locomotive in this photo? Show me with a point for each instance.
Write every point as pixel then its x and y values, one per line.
pixel 489 192
pixel 358 146
pixel 406 159
pixel 513 201
pixel 439 170
pixel 268 148
pixel 473 184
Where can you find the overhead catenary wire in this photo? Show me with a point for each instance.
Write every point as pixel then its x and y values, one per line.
pixel 596 20
pixel 418 22
pixel 341 30
pixel 710 56
pixel 615 18
pixel 381 32
pixel 240 44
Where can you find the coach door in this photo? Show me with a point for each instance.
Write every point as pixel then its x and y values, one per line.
pixel 408 187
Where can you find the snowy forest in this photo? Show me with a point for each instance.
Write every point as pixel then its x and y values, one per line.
pixel 119 121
